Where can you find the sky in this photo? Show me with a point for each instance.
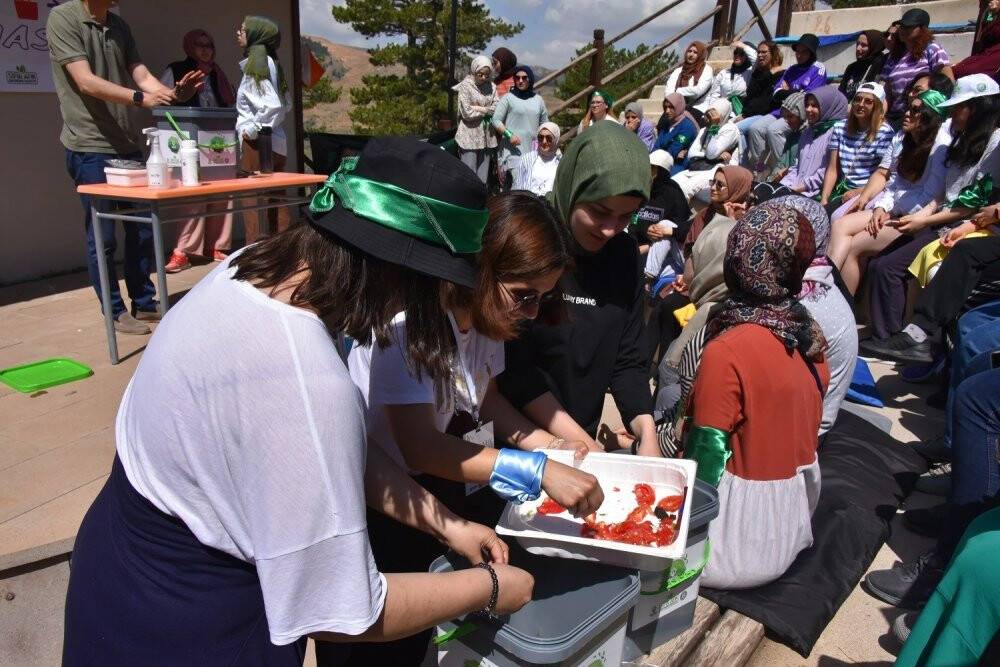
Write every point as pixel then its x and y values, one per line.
pixel 554 29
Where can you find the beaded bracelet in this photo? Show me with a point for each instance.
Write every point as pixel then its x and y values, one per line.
pixel 491 608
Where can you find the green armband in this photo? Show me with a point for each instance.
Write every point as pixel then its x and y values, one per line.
pixel 709 447
pixel 507 133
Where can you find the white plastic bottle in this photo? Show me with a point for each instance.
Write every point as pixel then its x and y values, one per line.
pixel 157 171
pixel 190 157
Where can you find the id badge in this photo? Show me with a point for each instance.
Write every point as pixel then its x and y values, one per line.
pixel 481 435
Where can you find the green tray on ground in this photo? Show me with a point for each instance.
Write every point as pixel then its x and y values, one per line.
pixel 38 375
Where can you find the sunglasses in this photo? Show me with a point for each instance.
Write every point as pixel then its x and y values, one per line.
pixel 521 77
pixel 545 138
pixel 530 299
pixel 719 185
pixel 914 109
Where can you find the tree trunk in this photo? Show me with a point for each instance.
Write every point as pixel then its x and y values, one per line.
pixel 803 5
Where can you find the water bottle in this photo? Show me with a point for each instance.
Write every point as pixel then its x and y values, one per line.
pixel 190 158
pixel 157 171
pixel 265 150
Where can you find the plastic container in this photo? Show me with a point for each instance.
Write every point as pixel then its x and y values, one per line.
pixel 39 375
pixel 129 178
pixel 665 607
pixel 157 171
pixel 189 163
pixel 559 535
pixel 577 618
pixel 214 130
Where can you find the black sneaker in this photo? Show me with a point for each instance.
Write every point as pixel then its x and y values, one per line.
pixel 903 625
pixel 929 521
pixel 898 347
pixel 907 585
pixel 935 450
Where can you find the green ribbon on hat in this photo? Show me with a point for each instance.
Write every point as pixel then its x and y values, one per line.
pixel 974 196
pixel 933 100
pixel 457 228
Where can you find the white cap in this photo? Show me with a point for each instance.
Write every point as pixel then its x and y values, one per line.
pixel 875 89
pixel 662 159
pixel 968 87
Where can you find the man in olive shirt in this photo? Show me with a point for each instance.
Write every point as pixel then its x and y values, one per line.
pixel 94 61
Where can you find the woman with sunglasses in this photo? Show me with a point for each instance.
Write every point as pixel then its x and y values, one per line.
pixel 437 429
pixel 209 237
pixel 517 119
pixel 598 109
pixel 536 170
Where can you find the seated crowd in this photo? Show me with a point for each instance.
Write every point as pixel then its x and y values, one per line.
pixel 757 207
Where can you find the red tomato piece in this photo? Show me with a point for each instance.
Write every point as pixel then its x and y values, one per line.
pixel 550 506
pixel 644 495
pixel 638 514
pixel 671 503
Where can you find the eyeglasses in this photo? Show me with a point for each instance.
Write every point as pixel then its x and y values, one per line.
pixel 597 102
pixel 719 185
pixel 530 300
pixel 521 77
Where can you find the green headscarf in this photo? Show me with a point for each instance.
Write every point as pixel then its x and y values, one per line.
pixel 606 160
pixel 263 40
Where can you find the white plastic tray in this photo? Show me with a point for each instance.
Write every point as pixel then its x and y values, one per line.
pixel 130 178
pixel 559 535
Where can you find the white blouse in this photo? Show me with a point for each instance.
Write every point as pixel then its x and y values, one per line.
pixel 260 105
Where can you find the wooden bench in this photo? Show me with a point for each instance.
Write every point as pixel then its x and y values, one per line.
pixel 715 639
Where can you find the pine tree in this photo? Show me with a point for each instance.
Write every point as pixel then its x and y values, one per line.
pixel 412 103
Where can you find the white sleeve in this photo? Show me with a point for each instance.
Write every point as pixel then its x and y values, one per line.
pixel 738 86
pixel 392 380
pixel 672 81
pixel 300 491
pixel 696 149
pixel 167 78
pixel 726 140
pixel 700 88
pixel 268 108
pixel 714 93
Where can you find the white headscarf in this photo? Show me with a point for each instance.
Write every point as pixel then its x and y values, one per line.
pixel 723 108
pixel 479 62
pixel 553 130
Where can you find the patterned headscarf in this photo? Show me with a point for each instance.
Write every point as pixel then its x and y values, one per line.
pixel 815 215
pixel 767 254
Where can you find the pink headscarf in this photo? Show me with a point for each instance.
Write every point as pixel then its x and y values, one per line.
pixel 225 88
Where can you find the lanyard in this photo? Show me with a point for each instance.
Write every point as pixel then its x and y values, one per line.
pixel 464 373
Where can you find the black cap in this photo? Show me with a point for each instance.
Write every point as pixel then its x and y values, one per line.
pixel 422 169
pixel 810 41
pixel 915 17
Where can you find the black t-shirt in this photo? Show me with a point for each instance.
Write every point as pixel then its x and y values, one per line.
pixel 760 91
pixel 596 349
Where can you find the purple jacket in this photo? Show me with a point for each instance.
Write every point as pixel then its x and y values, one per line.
pixel 801 78
pixel 647 132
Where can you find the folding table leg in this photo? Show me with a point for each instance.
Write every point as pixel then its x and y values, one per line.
pixel 102 270
pixel 161 270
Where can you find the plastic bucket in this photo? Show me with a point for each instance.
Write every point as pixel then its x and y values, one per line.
pixel 577 618
pixel 215 131
pixel 665 607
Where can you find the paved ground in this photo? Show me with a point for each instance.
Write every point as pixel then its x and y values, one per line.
pixel 56 448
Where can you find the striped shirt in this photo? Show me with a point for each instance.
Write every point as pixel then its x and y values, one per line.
pixel 857 156
pixel 899 72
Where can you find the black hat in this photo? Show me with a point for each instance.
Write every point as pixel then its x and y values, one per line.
pixel 915 17
pixel 810 41
pixel 420 169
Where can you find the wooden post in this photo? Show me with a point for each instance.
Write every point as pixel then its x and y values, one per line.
pixel 300 164
pixel 784 22
pixel 597 60
pixel 720 24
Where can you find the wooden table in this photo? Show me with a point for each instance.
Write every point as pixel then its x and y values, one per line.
pixel 158 206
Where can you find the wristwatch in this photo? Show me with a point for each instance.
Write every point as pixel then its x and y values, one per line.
pixel 137 98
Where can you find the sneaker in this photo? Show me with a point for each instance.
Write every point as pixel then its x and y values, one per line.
pixel 923 373
pixel 178 262
pixel 903 624
pixel 936 482
pixel 898 347
pixel 929 521
pixel 934 450
pixel 219 256
pixel 127 324
pixel 146 315
pixel 907 585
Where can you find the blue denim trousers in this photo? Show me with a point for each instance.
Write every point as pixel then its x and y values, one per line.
pixel 977 332
pixel 87 168
pixel 975 437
